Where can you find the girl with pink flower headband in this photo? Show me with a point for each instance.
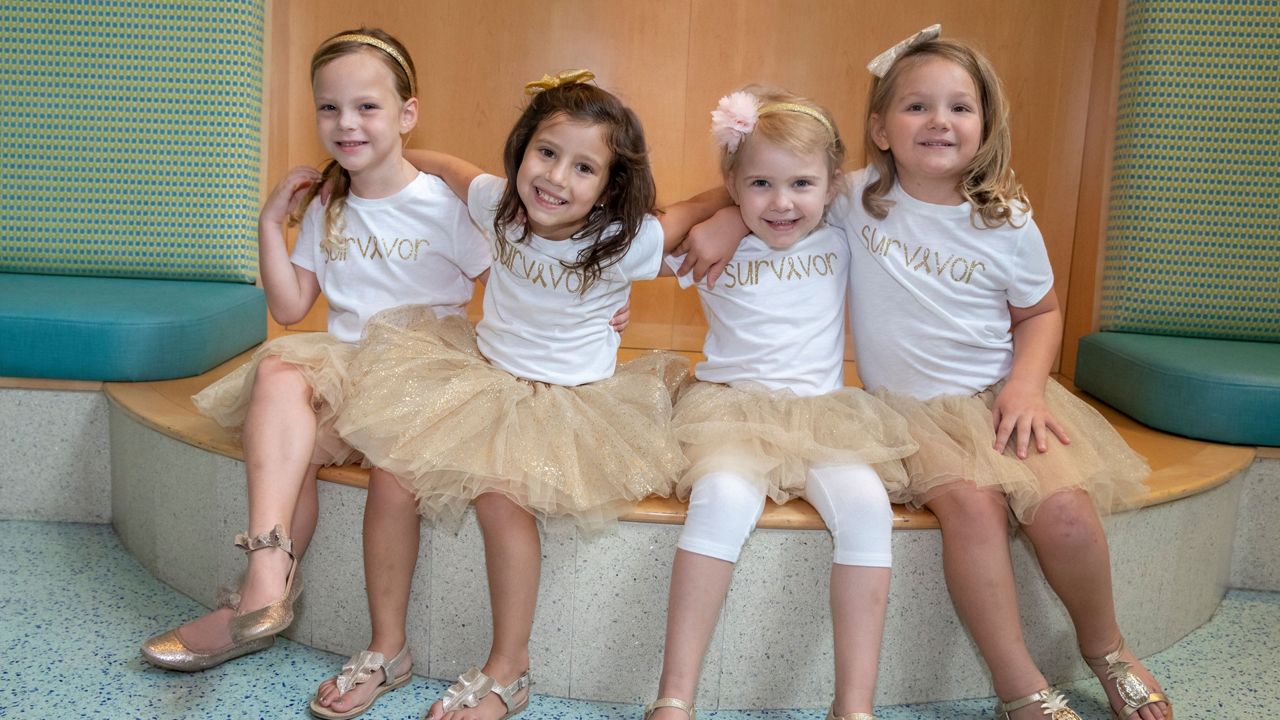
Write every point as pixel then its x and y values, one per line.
pixel 770 416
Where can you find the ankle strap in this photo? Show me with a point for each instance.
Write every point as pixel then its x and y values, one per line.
pixel 831 715
pixel 274 537
pixel 1106 659
pixel 1050 700
pixel 508 693
pixel 671 702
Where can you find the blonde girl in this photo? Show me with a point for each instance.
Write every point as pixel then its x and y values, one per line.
pixel 287 397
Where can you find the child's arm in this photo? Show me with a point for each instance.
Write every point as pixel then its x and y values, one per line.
pixel 679 218
pixel 711 244
pixel 456 172
pixel 1019 410
pixel 290 290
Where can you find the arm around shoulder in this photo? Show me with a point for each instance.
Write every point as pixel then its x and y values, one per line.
pixel 456 172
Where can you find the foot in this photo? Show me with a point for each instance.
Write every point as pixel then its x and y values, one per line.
pixel 209 633
pixel 490 707
pixel 1154 711
pixel 264 581
pixel 327 694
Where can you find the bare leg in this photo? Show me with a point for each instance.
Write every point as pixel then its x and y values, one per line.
pixel 513 558
pixel 1072 550
pixel 859 598
pixel 392 530
pixel 279 436
pixel 979 571
pixel 699 584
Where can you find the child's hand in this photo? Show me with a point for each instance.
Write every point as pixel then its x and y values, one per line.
pixel 622 318
pixel 1020 412
pixel 710 245
pixel 286 195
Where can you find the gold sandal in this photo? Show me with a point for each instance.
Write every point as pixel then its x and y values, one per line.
pixel 1132 690
pixel 473 685
pixel 1053 705
pixel 672 703
pixel 274 618
pixel 167 650
pixel 831 715
pixel 359 670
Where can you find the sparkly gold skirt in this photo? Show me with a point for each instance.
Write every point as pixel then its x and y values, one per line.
pixel 774 436
pixel 956 437
pixel 321 359
pixel 429 408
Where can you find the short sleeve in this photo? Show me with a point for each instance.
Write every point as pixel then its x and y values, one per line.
pixel 483 196
pixel 471 251
pixel 1032 276
pixel 308 244
pixel 848 199
pixel 644 258
pixel 674 262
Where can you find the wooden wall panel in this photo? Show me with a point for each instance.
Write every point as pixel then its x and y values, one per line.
pixel 672 59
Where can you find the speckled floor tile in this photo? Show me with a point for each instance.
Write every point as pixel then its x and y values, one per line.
pixel 74 606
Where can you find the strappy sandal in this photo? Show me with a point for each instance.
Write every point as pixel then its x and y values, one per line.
pixel 672 703
pixel 274 618
pixel 167 650
pixel 473 685
pixel 831 715
pixel 1053 705
pixel 1132 690
pixel 359 670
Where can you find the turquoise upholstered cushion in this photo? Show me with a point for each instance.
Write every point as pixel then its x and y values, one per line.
pixel 1220 390
pixel 88 328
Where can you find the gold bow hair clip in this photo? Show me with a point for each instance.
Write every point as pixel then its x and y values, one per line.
pixel 882 62
pixel 551 82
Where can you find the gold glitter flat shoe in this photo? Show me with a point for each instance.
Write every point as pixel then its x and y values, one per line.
pixel 1052 705
pixel 671 702
pixel 1131 689
pixel 274 618
pixel 831 715
pixel 167 650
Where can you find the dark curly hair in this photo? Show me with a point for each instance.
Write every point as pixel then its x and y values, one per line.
pixel 629 194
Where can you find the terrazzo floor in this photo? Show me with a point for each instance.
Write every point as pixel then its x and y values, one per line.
pixel 74 606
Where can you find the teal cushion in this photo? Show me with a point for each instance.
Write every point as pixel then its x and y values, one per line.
pixel 88 328
pixel 1220 390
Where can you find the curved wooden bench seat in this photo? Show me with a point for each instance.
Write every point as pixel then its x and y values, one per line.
pixel 1180 466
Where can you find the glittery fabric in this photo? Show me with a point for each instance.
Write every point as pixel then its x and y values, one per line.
pixel 321 359
pixel 956 437
pixel 774 436
pixel 428 407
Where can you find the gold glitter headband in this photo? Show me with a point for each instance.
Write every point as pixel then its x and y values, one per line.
pixel 798 108
pixel 383 46
pixel 549 82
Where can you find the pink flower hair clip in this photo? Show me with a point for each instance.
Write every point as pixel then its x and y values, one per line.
pixel 734 118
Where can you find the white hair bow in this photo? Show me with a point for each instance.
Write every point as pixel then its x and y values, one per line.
pixel 882 62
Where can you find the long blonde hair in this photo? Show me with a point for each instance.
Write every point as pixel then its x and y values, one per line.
pixel 334 175
pixel 989 184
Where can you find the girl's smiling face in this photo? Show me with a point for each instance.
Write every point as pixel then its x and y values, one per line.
pixel 359 116
pixel 562 175
pixel 782 196
pixel 933 129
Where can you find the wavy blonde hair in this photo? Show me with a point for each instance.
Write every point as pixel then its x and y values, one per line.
pixel 334 175
pixel 989 184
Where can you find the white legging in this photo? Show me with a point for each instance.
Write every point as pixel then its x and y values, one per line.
pixel 724 507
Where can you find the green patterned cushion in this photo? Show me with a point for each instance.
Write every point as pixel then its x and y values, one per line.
pixel 131 137
pixel 1193 244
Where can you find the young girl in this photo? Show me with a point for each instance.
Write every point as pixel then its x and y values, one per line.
pixel 772 416
pixel 524 416
pixel 957 327
pixel 387 236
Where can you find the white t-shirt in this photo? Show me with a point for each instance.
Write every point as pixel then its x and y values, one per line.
pixel 415 247
pixel 776 317
pixel 929 293
pixel 537 323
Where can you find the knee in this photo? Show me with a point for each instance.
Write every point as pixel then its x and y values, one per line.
pixel 730 495
pixel 276 374
pixel 975 514
pixel 495 507
pixel 1068 520
pixel 723 509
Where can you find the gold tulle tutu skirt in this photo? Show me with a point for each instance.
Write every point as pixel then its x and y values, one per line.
pixel 426 406
pixel 323 362
pixel 956 437
pixel 774 436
